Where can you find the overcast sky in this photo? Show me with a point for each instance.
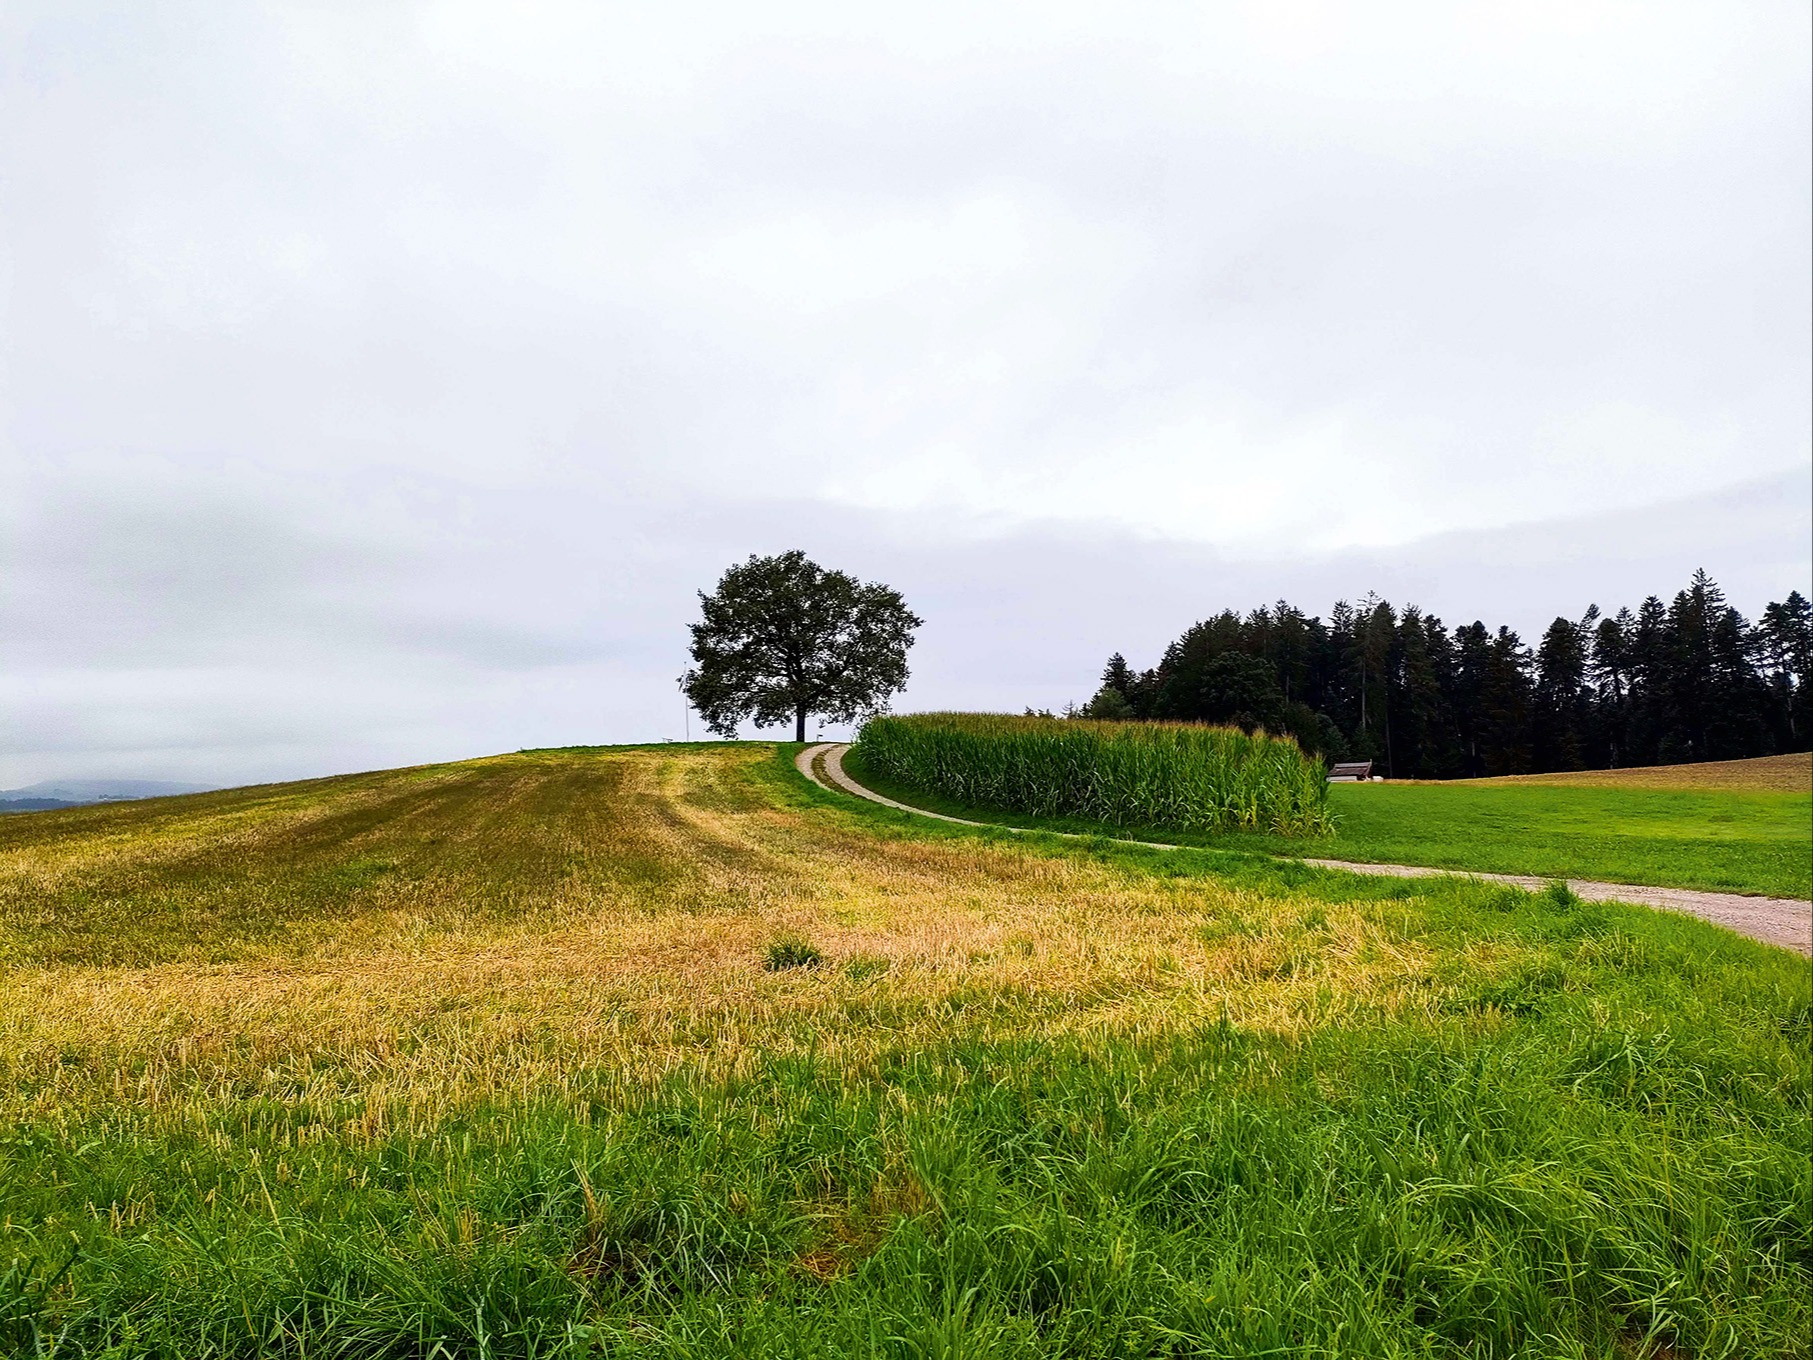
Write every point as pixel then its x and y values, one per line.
pixel 378 382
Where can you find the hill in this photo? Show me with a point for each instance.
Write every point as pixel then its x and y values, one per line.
pixel 1760 774
pixel 29 804
pixel 56 793
pixel 659 1051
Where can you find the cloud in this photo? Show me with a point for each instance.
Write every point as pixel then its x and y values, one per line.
pixel 381 383
pixel 558 624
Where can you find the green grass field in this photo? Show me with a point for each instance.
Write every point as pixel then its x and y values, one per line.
pixel 504 1059
pixel 1732 840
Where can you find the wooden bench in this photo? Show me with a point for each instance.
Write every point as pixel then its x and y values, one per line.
pixel 1350 772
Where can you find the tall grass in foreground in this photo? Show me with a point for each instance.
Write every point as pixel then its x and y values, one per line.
pixel 1127 774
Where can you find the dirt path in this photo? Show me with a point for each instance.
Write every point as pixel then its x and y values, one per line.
pixel 1784 921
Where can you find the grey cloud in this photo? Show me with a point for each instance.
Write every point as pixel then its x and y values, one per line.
pixel 1013 618
pixel 1031 617
pixel 381 383
pixel 131 571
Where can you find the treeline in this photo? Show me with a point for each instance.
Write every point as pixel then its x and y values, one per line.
pixel 1684 681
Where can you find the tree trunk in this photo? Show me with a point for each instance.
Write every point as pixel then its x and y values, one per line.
pixel 799 725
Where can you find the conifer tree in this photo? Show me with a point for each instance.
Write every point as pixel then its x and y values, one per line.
pixel 1787 629
pixel 1472 649
pixel 1686 680
pixel 1651 670
pixel 1561 700
pixel 1612 677
pixel 1114 698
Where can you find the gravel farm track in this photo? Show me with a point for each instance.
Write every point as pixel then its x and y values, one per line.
pixel 1783 921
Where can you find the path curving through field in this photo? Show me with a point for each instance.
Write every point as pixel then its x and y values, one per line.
pixel 1783 921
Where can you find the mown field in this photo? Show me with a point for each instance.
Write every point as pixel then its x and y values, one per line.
pixel 1791 773
pixel 489 1059
pixel 1731 828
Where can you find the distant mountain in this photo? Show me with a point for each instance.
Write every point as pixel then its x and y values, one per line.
pixel 33 804
pixel 53 793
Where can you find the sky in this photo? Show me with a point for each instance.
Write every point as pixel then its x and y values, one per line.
pixel 380 382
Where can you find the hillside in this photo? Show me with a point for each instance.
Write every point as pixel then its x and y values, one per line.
pixel 495 1057
pixel 1761 774
pixel 54 793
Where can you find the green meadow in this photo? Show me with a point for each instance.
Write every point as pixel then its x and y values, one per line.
pixel 666 1052
pixel 1731 841
pixel 1721 839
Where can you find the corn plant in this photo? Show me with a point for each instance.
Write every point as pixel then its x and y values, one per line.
pixel 1124 773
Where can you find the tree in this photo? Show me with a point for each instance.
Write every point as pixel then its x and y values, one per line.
pixel 1110 705
pixel 1115 697
pixel 1740 715
pixel 1787 637
pixel 1788 630
pixel 1612 643
pixel 1505 705
pixel 1290 646
pixel 1691 671
pixel 1472 655
pixel 1650 672
pixel 1240 690
pixel 1369 654
pixel 1427 745
pixel 1562 697
pixel 1114 700
pixel 782 638
pixel 1660 684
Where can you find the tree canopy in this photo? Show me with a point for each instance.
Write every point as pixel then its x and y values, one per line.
pixel 1682 681
pixel 782 638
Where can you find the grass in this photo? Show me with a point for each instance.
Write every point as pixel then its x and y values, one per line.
pixel 792 952
pixel 1173 774
pixel 487 1060
pixel 1734 842
pixel 1672 836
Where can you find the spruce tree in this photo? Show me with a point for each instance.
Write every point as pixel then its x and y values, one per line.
pixel 1787 629
pixel 1651 707
pixel 1612 679
pixel 1505 706
pixel 1114 698
pixel 1739 725
pixel 1688 680
pixel 1423 740
pixel 1692 681
pixel 1561 697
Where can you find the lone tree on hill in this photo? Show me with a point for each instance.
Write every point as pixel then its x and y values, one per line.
pixel 783 638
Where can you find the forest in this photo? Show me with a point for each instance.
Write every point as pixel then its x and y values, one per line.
pixel 1687 680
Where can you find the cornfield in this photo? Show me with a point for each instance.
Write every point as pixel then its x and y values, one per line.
pixel 1123 773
